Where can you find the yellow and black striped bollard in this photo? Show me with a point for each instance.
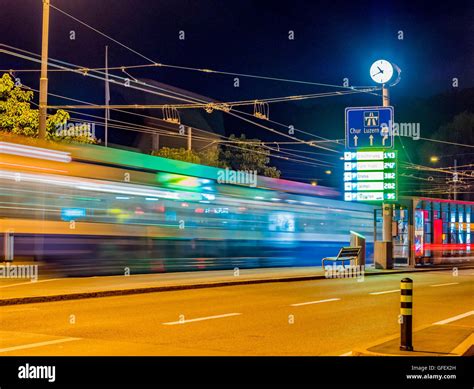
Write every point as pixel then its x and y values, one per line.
pixel 406 312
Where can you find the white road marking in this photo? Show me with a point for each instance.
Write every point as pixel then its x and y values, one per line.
pixel 385 291
pixel 39 344
pixel 454 318
pixel 200 319
pixel 449 283
pixel 315 302
pixel 28 283
pixel 346 354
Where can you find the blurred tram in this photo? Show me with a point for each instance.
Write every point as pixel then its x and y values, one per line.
pixel 87 210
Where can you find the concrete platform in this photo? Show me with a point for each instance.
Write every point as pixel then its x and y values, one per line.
pixel 455 338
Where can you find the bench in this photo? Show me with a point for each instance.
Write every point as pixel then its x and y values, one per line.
pixel 345 254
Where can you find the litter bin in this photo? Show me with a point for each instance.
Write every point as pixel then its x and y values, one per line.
pixel 358 240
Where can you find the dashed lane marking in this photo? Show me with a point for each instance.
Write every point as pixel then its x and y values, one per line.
pixel 385 292
pixel 315 302
pixel 200 319
pixel 39 344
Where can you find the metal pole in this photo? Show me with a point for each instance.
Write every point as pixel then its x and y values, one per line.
pixel 406 314
pixel 386 208
pixel 455 180
pixel 43 97
pixel 385 96
pixel 107 96
pixel 156 142
pixel 189 138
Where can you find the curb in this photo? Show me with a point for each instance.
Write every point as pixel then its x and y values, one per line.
pixel 465 348
pixel 151 289
pixel 170 288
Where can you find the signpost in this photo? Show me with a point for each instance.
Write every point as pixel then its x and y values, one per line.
pixel 370 167
pixel 369 127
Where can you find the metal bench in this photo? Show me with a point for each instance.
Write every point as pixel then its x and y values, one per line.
pixel 345 254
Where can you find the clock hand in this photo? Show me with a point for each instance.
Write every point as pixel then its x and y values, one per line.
pixel 381 71
pixel 373 75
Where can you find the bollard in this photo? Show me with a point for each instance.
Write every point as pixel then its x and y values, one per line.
pixel 406 312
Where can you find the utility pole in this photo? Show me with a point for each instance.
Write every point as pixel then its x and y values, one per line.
pixel 107 96
pixel 386 208
pixel 43 97
pixel 189 138
pixel 455 180
pixel 156 142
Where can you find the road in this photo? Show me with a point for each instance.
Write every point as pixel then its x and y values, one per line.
pixel 320 317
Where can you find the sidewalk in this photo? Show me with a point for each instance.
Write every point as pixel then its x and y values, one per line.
pixel 21 291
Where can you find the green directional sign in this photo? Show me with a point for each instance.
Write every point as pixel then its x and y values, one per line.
pixel 370 175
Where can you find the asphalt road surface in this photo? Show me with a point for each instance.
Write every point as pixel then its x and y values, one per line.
pixel 321 317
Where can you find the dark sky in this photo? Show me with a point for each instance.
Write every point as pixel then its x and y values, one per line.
pixel 333 40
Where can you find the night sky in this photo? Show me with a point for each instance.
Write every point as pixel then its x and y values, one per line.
pixel 332 40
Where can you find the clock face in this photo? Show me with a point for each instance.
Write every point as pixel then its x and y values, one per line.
pixel 381 71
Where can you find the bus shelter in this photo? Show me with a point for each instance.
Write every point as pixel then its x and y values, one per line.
pixel 429 231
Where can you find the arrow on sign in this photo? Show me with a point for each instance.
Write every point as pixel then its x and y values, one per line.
pixel 355 140
pixel 384 139
pixel 371 137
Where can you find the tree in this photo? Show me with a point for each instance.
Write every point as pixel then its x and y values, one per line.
pixel 17 116
pixel 209 156
pixel 239 154
pixel 248 154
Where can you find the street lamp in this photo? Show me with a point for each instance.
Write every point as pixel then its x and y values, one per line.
pixel 382 72
pixel 434 159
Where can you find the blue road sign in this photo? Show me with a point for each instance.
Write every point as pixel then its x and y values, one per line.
pixel 368 127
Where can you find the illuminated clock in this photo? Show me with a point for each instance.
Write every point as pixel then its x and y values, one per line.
pixel 381 71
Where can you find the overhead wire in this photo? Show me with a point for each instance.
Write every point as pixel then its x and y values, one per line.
pixel 147 129
pixel 154 63
pixel 179 98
